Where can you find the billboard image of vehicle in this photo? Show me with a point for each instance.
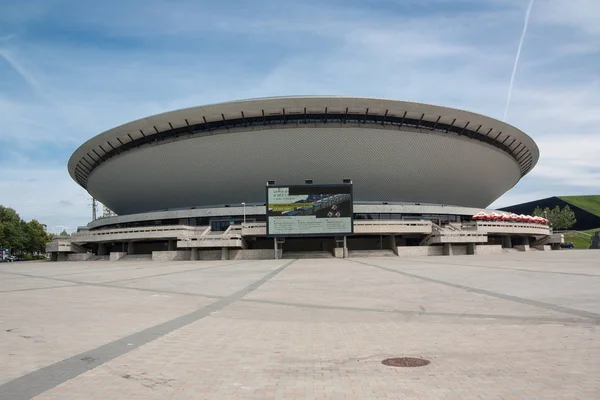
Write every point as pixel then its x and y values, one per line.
pixel 316 210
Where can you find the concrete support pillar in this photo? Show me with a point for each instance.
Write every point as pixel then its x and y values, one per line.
pixel 101 249
pixel 130 248
pixel 345 248
pixel 194 255
pixel 224 253
pixel 172 245
pixel 471 248
pixel 447 249
pixel 276 249
pixel 506 242
pixel 392 244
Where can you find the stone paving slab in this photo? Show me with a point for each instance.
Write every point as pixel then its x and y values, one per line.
pixel 43 327
pixel 23 284
pixel 304 329
pixel 215 281
pixel 332 354
pixel 556 288
pixel 579 262
pixel 351 284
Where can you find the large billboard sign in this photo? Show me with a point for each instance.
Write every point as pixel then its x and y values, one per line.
pixel 315 210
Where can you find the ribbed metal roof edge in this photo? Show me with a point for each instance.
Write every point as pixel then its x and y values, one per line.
pixel 287 101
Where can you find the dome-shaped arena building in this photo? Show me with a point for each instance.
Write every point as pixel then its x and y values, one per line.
pixel 194 183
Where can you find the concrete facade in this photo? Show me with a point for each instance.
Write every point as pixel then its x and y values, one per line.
pixel 489 249
pixel 400 237
pixel 413 251
pixel 79 256
pixel 257 254
pixel 117 255
pixel 176 255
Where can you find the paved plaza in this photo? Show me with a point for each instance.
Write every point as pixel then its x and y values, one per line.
pixel 511 326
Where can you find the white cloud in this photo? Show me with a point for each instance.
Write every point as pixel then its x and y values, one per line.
pixel 578 15
pixel 47 195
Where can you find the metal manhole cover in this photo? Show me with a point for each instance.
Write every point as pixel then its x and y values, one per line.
pixel 405 362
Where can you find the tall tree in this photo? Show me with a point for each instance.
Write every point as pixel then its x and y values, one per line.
pixel 560 219
pixel 11 230
pixel 17 235
pixel 37 237
pixel 567 218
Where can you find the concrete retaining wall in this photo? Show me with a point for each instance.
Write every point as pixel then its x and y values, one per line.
pixel 490 249
pixel 209 254
pixel 522 247
pixel 79 256
pixel 412 251
pixel 545 247
pixel 176 255
pixel 117 255
pixel 252 254
pixel 459 249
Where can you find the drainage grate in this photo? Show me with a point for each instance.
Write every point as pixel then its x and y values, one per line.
pixel 405 362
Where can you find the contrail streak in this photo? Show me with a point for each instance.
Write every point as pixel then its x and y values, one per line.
pixel 14 64
pixel 514 71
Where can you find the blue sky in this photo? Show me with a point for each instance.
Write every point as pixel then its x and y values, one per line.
pixel 72 69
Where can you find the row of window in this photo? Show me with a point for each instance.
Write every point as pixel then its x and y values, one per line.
pixel 221 223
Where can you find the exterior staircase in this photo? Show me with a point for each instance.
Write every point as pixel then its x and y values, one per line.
pixel 452 233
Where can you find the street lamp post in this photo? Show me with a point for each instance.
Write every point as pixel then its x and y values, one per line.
pixel 244 204
pixel 546 216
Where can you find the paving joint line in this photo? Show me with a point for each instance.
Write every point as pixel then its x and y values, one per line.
pixel 424 313
pixel 105 285
pixel 121 280
pixel 41 380
pixel 112 270
pixel 32 289
pixel 208 296
pixel 540 304
pixel 179 272
pixel 513 269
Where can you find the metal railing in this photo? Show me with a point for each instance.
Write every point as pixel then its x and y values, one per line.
pixel 513 227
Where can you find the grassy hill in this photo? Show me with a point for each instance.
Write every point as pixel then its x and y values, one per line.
pixel 588 203
pixel 581 240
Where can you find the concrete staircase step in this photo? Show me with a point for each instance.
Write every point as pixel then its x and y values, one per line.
pixel 371 253
pixel 308 254
pixel 137 257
